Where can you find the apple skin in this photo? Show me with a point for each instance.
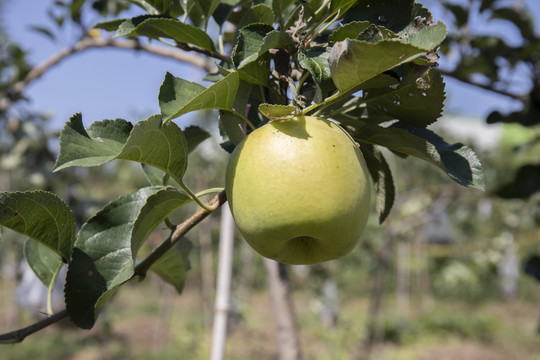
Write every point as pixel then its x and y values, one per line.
pixel 299 191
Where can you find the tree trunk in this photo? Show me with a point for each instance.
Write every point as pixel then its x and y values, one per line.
pixel 403 278
pixel 374 332
pixel 286 326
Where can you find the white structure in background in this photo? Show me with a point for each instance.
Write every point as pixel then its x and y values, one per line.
pixel 473 132
pixel 508 267
pixel 31 294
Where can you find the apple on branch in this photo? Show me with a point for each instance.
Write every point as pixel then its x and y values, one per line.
pixel 299 190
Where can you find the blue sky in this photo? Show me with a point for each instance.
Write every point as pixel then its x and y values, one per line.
pixel 111 83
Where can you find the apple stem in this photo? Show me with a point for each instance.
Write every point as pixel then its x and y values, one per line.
pixel 195 197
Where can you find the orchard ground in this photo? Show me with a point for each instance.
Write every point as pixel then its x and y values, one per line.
pixel 149 321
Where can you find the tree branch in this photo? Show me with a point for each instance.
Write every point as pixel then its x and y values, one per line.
pixel 89 43
pixel 141 269
pixel 19 335
pixel 464 79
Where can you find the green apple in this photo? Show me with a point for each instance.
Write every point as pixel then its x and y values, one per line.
pixel 299 191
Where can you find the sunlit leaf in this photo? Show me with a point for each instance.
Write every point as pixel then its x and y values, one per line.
pixel 348 31
pixel 353 62
pixel 275 112
pixel 258 14
pixel 160 145
pixel 162 27
pixel 178 96
pixel 97 145
pixel 149 142
pixel 255 40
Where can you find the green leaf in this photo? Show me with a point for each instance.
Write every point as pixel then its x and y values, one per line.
pixel 161 27
pixel 107 245
pixel 232 125
pixel 160 145
pixel 222 13
pixel 44 262
pixel 194 136
pixel 417 101
pixel 457 160
pixel 155 176
pixel 353 62
pixel 342 6
pixel 149 142
pixel 256 72
pixel 149 6
pixel 42 216
pixel 301 16
pixel 525 183
pixel 315 60
pixel 178 96
pixel 97 145
pixel 44 31
pixel 110 25
pixel 171 7
pixel 275 112
pixel 392 14
pixel 256 39
pixel 172 266
pixel 208 6
pixel 258 14
pixel 427 37
pixel 84 285
pixel 348 31
pixel 382 179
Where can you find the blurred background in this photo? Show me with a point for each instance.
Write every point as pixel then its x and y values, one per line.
pixel 452 274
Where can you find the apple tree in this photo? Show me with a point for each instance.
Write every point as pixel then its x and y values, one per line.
pixel 366 67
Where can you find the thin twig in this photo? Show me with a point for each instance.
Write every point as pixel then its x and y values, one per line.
pixel 141 269
pixel 91 42
pixel 19 335
pixel 490 87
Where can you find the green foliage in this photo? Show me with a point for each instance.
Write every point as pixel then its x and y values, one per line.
pixel 178 96
pixel 44 262
pixel 368 65
pixel 100 265
pixel 172 266
pixel 159 27
pixel 164 147
pixel 42 216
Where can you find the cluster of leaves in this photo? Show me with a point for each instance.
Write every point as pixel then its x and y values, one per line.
pixel 369 65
